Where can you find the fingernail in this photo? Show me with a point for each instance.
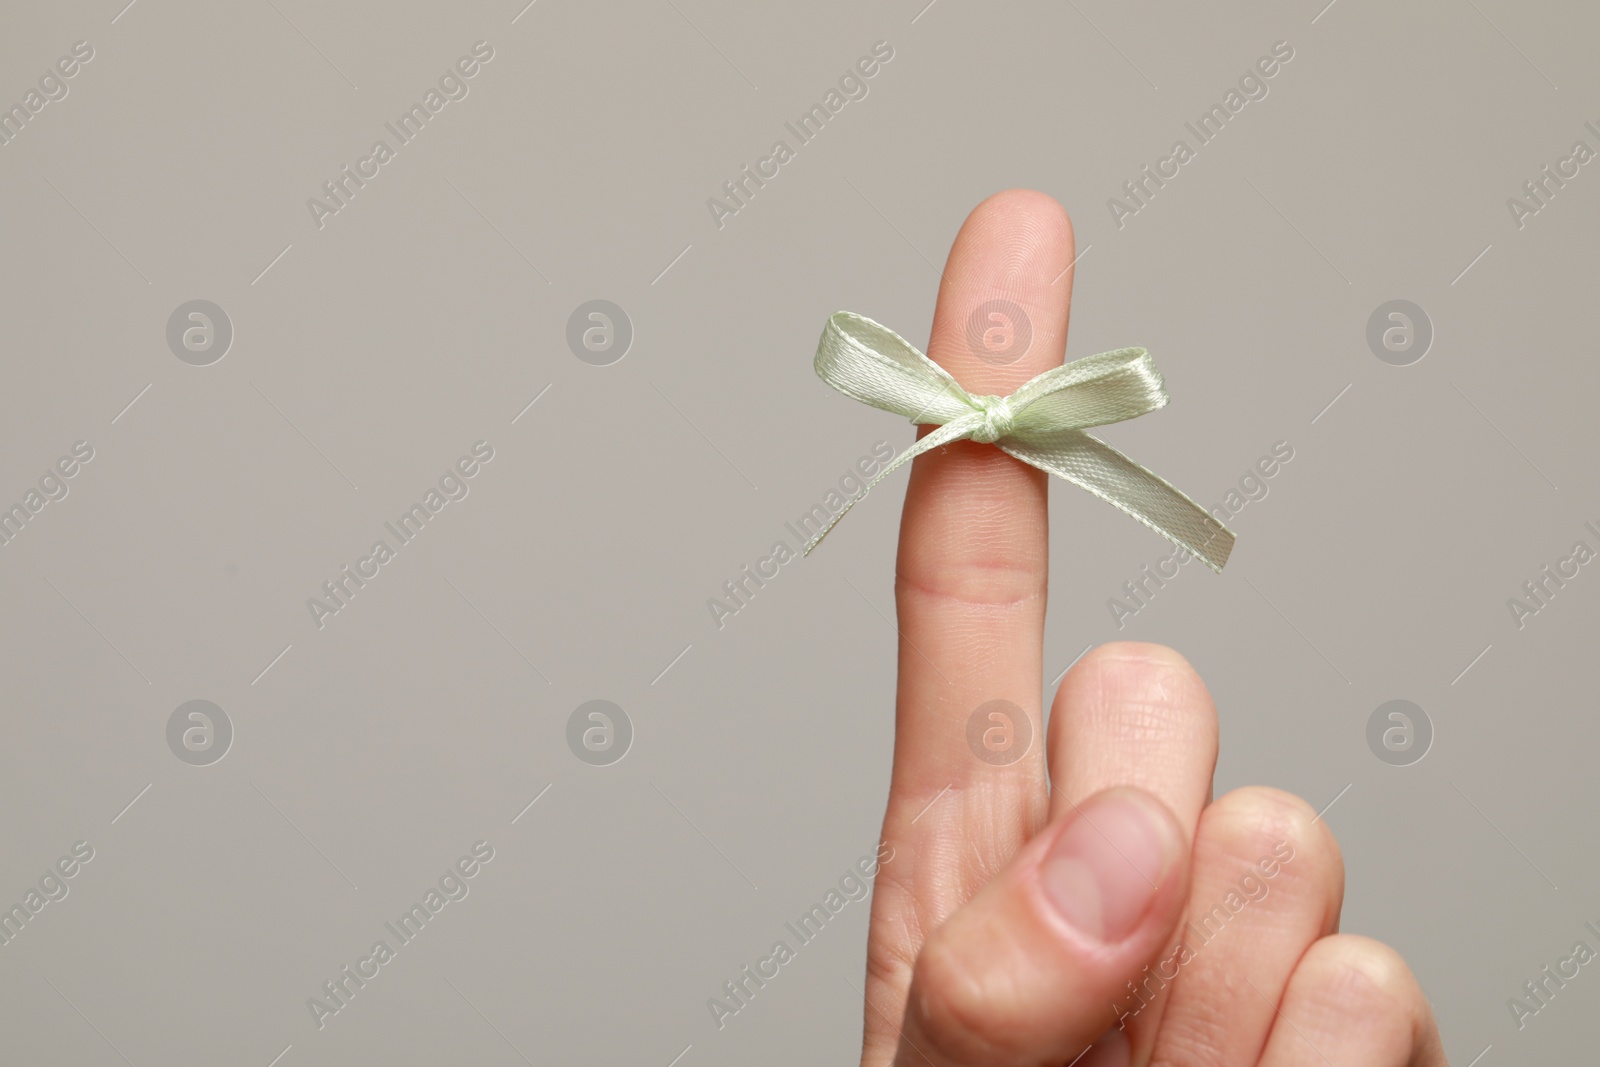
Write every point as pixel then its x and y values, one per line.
pixel 1105 869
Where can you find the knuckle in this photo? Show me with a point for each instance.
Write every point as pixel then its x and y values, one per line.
pixel 981 579
pixel 893 946
pixel 956 1007
pixel 890 962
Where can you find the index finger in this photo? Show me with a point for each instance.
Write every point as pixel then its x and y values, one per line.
pixel 972 568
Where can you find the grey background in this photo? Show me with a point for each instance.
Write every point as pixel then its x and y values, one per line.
pixel 426 315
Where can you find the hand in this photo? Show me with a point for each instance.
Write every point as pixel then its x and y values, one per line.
pixel 1090 893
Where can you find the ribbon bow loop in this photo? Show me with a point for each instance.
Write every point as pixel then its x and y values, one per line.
pixel 1041 423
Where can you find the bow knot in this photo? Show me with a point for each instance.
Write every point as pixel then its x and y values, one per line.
pixel 998 419
pixel 1041 423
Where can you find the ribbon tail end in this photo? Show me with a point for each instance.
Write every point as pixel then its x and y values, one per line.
pixel 1218 547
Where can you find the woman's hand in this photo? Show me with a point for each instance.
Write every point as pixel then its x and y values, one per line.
pixel 1087 892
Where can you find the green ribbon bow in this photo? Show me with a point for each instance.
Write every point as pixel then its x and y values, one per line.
pixel 1041 424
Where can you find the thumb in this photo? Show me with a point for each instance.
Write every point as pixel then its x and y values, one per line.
pixel 1031 969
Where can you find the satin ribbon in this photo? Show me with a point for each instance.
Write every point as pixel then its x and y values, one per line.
pixel 1041 423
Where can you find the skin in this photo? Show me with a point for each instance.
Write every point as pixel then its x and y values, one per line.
pixel 973 958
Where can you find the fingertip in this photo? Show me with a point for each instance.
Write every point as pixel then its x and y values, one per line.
pixel 1139 713
pixel 1139 675
pixel 1017 208
pixel 1002 312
